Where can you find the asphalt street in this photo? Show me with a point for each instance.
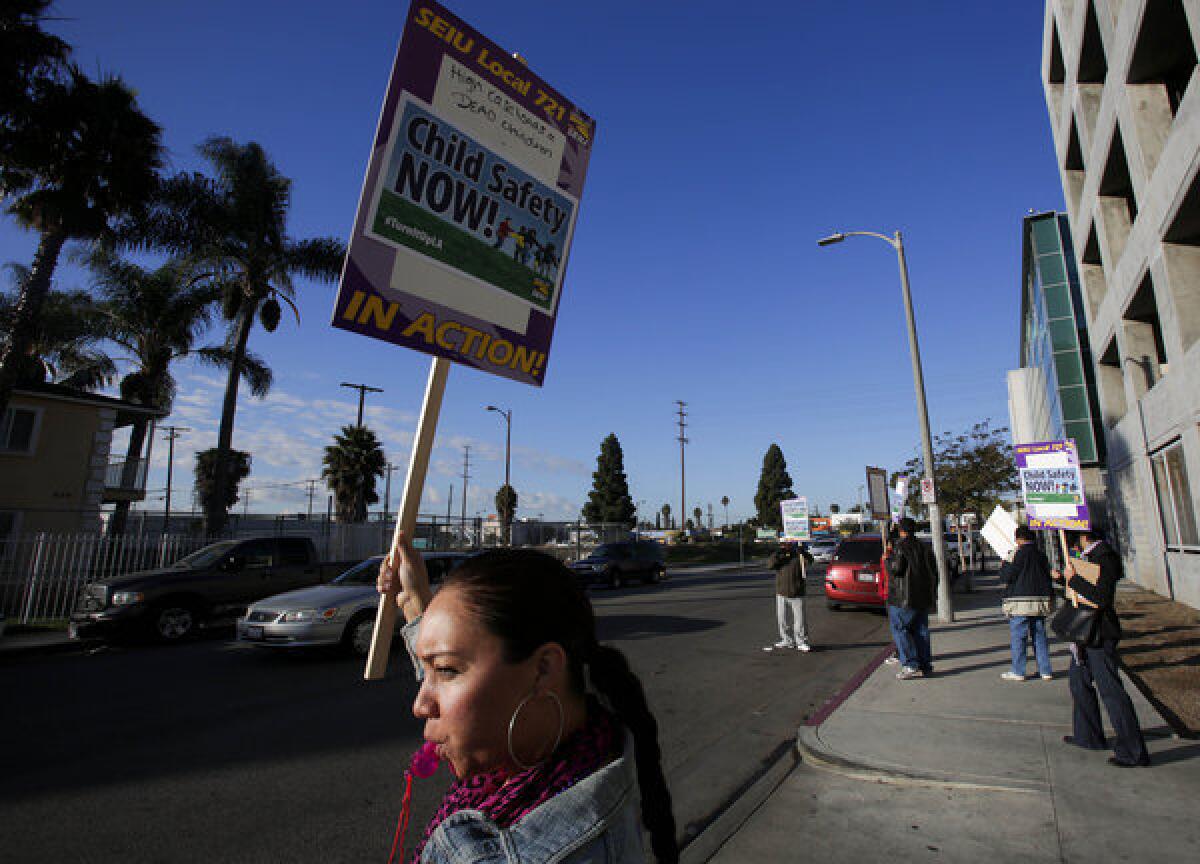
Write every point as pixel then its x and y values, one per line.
pixel 217 751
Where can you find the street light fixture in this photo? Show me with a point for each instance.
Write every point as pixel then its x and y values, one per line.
pixel 945 601
pixel 507 415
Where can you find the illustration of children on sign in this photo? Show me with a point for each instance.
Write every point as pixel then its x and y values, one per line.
pixel 525 243
pixel 547 260
pixel 502 232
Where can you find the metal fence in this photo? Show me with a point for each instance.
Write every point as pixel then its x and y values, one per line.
pixel 41 574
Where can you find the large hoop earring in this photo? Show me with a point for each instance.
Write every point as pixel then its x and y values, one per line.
pixel 512 724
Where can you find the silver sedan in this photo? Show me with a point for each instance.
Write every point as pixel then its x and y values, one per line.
pixel 341 612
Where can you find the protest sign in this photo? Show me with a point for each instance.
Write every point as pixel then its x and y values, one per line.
pixel 877 492
pixel 1000 532
pixel 795 519
pixel 469 204
pixel 899 497
pixel 1052 485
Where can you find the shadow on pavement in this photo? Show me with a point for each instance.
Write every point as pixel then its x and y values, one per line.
pixel 646 626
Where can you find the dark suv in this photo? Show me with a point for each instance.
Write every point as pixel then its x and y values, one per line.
pixel 614 564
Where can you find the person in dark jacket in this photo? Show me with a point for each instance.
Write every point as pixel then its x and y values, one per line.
pixel 788 563
pixel 1028 599
pixel 912 579
pixel 1095 664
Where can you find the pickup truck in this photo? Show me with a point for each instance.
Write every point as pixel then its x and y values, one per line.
pixel 218 581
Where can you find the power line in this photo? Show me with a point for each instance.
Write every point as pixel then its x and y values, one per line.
pixel 465 477
pixel 682 410
pixel 363 390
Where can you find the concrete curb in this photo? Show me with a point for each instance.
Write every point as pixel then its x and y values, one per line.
pixel 728 820
pixel 18 651
pixel 816 753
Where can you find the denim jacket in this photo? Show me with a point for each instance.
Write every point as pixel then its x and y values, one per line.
pixel 596 821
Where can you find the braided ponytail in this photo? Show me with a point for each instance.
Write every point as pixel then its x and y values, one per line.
pixel 612 677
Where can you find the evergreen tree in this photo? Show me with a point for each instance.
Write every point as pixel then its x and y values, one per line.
pixel 506 507
pixel 609 499
pixel 774 485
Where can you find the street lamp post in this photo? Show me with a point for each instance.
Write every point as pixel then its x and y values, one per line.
pixel 945 601
pixel 507 415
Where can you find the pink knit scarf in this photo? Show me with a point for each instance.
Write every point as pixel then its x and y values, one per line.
pixel 507 798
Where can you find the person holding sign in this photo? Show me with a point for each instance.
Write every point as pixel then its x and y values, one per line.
pixel 1028 599
pixel 788 564
pixel 512 679
pixel 1094 661
pixel 912 590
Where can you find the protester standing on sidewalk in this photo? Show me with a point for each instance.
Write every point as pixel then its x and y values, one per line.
pixel 788 563
pixel 912 579
pixel 1095 664
pixel 1028 599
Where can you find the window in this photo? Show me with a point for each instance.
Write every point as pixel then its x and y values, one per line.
pixel 257 553
pixel 17 430
pixel 859 551
pixel 1181 253
pixel 294 551
pixel 1174 497
pixel 1144 345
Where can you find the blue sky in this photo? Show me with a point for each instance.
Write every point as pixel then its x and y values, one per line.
pixel 729 138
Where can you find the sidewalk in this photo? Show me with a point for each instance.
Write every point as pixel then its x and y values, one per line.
pixel 966 767
pixel 24 643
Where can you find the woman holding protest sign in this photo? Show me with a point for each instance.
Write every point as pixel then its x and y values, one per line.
pixel 1094 660
pixel 546 731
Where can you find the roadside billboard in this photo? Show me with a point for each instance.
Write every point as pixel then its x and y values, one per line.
pixel 469 204
pixel 795 519
pixel 1052 485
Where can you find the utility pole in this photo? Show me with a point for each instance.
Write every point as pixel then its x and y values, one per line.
pixel 363 390
pixel 449 504
pixel 312 490
pixel 682 472
pixel 466 476
pixel 172 432
pixel 387 487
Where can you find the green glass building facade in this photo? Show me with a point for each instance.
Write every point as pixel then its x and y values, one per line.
pixel 1054 333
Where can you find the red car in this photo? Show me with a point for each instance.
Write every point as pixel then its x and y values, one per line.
pixel 857 575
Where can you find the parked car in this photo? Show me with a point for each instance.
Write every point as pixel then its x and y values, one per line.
pixel 614 564
pixel 341 612
pixel 856 576
pixel 822 549
pixel 220 580
pixel 953 559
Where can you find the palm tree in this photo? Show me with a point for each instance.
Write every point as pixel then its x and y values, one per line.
pixel 156 316
pixel 27 54
pixel 235 223
pixel 352 463
pixel 83 156
pixel 63 348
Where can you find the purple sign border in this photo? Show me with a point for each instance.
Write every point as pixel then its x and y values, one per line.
pixel 366 276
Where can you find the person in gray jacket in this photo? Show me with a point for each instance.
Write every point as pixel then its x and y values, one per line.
pixel 1028 599
pixel 788 563
pixel 546 730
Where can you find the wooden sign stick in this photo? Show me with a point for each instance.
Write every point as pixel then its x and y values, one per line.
pixel 406 518
pixel 1062 539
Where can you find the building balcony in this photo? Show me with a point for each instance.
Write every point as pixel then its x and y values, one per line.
pixel 125 480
